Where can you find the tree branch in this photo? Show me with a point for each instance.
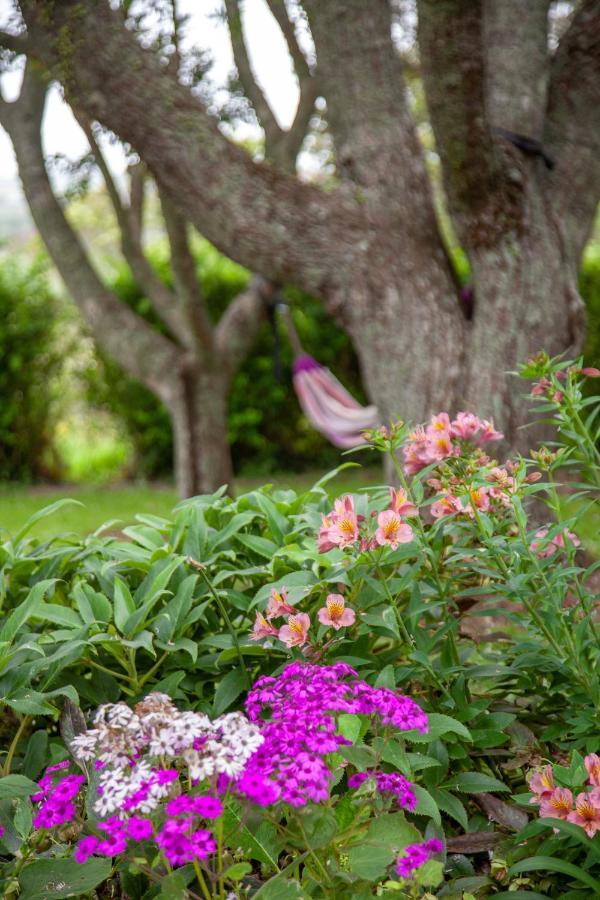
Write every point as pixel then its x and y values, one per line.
pixel 376 144
pixel 572 130
pixel 252 90
pixel 450 34
pixel 162 298
pixel 280 14
pixel 142 351
pixel 516 64
pixel 183 267
pixel 267 221
pixel 240 324
pixel 17 43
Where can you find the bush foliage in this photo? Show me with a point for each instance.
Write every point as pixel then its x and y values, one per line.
pixel 32 349
pixel 443 688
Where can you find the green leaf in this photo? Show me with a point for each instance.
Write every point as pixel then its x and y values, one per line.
pixel 451 805
pixel 237 871
pixel 12 786
pixel 349 726
pixel 550 864
pixel 385 837
pixel 43 514
pixel 123 605
pixel 475 783
pixel 260 844
pixel 35 754
pixel 27 608
pixel 426 805
pixel 229 688
pixel 45 879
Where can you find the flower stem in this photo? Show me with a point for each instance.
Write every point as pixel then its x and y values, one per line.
pixel 223 610
pixel 14 743
pixel 201 881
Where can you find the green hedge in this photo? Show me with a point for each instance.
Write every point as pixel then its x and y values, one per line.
pixel 267 430
pixel 32 350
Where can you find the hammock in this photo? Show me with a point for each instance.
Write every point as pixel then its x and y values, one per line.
pixel 325 401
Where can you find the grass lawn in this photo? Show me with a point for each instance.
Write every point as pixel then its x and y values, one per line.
pixel 103 503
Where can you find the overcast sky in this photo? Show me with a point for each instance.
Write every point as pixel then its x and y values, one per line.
pixel 268 54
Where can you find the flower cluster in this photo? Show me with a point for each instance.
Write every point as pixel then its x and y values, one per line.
pixel 147 758
pixel 388 783
pixel 294 632
pixel 301 729
pixel 544 548
pixel 545 389
pixel 444 438
pixel 416 855
pixel 558 802
pixel 342 526
pixel 56 797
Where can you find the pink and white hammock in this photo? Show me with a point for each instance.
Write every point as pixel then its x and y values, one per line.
pixel 328 405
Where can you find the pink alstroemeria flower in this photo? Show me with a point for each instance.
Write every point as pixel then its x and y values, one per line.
pixel 592 764
pixel 335 613
pixel 541 782
pixel 401 504
pixel 440 423
pixel 262 628
pixel 344 530
pixel 392 530
pixel 557 805
pixel 488 432
pixel 586 814
pixel 324 542
pixel 278 605
pixel 556 543
pixel 294 632
pixel 465 425
pixel 445 506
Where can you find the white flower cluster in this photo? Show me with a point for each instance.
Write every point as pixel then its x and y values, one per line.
pixel 225 752
pixel 116 786
pixel 133 744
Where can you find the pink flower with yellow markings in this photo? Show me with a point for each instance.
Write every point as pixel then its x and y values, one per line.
pixel 278 605
pixel 586 814
pixel 262 628
pixel 392 530
pixel 294 632
pixel 344 530
pixel 401 504
pixel 557 805
pixel 592 764
pixel 335 613
pixel 541 783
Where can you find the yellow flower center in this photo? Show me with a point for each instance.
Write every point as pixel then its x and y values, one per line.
pixel 335 608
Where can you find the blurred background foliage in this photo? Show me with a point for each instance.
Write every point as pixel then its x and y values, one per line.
pixel 70 413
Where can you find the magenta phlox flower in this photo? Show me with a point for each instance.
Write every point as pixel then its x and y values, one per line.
pixel 416 855
pixel 85 848
pixel 139 829
pixel 56 798
pixel 298 711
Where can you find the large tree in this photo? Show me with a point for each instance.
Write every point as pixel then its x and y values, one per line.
pixel 517 130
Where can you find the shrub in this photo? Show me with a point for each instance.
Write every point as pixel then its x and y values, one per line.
pixel 408 657
pixel 32 349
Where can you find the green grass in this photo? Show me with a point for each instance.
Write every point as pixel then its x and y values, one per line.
pixel 122 502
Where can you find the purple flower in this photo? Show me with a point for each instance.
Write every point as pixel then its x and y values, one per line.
pixel 357 779
pixel 208 807
pixel 180 806
pixel 298 714
pixel 139 829
pixel 85 848
pixel 112 845
pixel 416 855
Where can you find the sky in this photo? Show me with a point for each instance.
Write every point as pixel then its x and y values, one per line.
pixel 268 55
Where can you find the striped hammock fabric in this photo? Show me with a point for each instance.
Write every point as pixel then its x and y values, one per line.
pixel 328 405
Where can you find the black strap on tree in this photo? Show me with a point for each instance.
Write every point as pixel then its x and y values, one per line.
pixel 530 146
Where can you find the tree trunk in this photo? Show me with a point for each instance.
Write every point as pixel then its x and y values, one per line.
pixel 199 415
pixel 526 300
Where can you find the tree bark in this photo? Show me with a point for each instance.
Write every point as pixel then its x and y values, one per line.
pixel 199 414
